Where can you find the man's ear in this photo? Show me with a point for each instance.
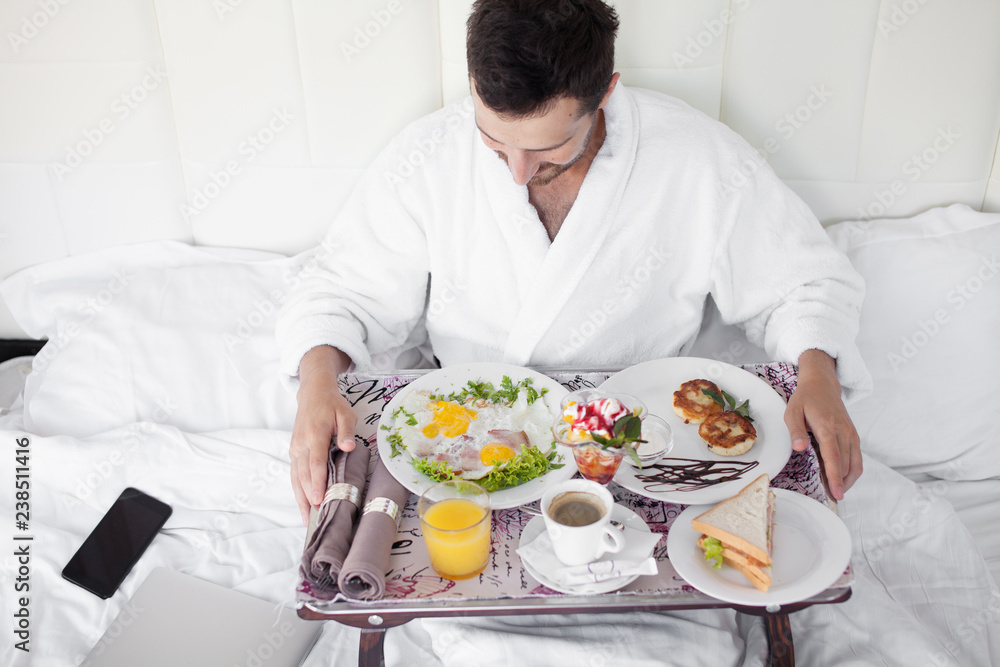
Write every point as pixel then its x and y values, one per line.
pixel 611 89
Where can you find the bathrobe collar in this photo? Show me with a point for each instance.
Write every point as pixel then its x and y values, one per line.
pixel 548 274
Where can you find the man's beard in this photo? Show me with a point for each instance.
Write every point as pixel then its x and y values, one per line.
pixel 542 178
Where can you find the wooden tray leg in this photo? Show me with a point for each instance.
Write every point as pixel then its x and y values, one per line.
pixel 779 640
pixel 371 646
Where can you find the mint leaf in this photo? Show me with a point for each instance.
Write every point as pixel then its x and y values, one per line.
pixel 744 410
pixel 714 395
pixel 634 455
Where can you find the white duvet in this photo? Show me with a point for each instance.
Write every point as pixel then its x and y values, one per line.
pixel 922 595
pixel 192 349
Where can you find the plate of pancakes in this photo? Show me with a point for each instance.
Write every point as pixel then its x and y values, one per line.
pixel 716 449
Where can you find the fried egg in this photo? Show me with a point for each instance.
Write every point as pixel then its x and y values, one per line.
pixel 474 437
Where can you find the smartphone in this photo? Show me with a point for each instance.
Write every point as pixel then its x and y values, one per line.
pixel 122 535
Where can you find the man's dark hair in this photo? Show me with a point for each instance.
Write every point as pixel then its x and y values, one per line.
pixel 526 54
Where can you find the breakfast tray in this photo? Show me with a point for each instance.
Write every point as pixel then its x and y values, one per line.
pixel 410 578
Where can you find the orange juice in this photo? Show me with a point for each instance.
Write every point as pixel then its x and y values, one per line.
pixel 457 533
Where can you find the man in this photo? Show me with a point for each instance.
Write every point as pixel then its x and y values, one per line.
pixel 518 228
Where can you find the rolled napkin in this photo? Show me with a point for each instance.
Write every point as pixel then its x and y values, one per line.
pixel 363 574
pixel 635 559
pixel 327 547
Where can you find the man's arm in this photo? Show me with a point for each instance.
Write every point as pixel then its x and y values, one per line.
pixel 817 407
pixel 323 414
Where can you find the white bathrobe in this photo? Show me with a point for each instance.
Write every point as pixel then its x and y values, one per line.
pixel 439 246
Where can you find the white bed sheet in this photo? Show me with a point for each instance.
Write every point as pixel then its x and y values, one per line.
pixel 234 523
pixel 977 504
pixel 922 595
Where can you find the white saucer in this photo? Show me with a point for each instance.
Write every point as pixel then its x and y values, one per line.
pixel 536 526
pixel 812 548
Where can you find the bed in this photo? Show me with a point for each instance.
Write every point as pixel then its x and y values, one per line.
pixel 160 163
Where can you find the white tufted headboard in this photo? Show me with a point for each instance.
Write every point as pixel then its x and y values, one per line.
pixel 246 122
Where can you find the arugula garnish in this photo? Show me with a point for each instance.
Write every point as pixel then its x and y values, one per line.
pixel 743 410
pixel 410 419
pixel 395 441
pixel 527 465
pixel 505 395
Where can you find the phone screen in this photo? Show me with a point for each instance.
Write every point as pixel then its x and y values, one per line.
pixel 114 546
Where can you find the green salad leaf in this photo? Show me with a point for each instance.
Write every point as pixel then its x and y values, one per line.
pixel 713 552
pixel 439 471
pixel 527 465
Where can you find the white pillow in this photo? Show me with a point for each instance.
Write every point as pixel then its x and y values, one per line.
pixel 161 331
pixel 930 334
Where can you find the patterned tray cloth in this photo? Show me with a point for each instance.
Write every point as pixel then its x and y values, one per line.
pixel 411 578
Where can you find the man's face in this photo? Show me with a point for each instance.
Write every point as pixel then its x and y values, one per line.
pixel 539 148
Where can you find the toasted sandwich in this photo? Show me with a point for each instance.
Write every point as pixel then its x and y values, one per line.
pixel 738 532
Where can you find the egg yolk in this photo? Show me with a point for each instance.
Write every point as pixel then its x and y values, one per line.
pixel 451 419
pixel 496 452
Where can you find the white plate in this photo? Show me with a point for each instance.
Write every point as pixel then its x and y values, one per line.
pixel 811 549
pixel 654 383
pixel 454 378
pixel 631 520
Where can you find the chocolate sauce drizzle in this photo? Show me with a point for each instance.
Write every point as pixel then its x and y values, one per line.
pixel 693 474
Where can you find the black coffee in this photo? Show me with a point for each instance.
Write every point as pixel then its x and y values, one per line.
pixel 576 508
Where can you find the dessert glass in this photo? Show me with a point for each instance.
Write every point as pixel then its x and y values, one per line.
pixel 595 461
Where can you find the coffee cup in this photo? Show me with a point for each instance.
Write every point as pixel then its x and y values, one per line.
pixel 577 517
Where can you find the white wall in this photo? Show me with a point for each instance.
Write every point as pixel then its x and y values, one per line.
pixel 246 122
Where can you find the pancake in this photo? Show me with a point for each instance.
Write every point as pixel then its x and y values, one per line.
pixel 728 434
pixel 691 403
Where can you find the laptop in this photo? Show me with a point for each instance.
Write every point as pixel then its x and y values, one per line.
pixel 176 619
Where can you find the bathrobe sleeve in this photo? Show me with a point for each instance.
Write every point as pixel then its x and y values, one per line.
pixel 779 276
pixel 363 290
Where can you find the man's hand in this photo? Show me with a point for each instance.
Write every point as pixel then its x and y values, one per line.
pixel 323 414
pixel 816 406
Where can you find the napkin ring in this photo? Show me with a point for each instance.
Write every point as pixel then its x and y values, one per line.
pixel 343 491
pixel 384 505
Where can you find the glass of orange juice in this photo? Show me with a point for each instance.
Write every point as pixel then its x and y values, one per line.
pixel 455 518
